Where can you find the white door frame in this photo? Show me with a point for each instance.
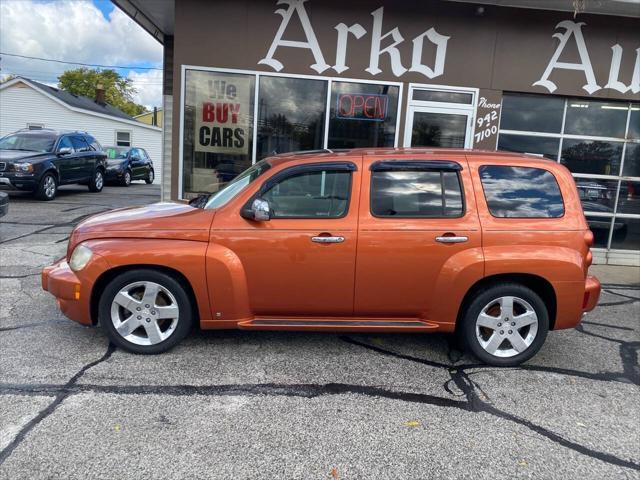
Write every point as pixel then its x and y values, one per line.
pixel 444 108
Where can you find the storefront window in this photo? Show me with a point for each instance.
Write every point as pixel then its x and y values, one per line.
pixel 629 201
pixel 218 129
pixel 634 122
pixel 291 115
pixel 547 146
pixel 597 195
pixel 602 119
pixel 632 160
pixel 362 115
pixel 592 156
pixel 533 113
pixel 626 234
pixel 600 226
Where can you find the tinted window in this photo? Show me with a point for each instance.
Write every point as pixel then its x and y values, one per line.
pixel 290 115
pixel 589 117
pixel 521 192
pixel 592 156
pixel 415 194
pixel 93 143
pixel 116 152
pixel 546 146
pixel 79 144
pixel 532 113
pixel 319 194
pixel 634 122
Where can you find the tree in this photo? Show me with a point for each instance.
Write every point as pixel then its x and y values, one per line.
pixel 119 91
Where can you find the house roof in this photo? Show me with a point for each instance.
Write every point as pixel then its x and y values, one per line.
pixel 79 101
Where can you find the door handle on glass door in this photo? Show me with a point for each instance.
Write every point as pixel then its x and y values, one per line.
pixel 451 239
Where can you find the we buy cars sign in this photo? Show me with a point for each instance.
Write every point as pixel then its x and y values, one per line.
pixel 222 115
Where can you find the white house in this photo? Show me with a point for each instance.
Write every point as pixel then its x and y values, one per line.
pixel 25 103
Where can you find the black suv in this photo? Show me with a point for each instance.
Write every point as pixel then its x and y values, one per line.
pixel 40 160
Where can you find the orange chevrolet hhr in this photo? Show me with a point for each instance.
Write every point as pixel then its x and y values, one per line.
pixel 493 246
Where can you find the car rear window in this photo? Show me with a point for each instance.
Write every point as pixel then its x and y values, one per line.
pixel 521 192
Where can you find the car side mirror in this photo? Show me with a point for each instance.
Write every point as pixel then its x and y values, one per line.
pixel 65 151
pixel 260 211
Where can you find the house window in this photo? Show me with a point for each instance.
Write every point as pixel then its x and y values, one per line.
pixel 123 138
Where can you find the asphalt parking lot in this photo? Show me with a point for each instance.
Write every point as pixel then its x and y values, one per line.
pixel 230 404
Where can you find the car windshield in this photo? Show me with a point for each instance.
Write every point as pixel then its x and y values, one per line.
pixel 28 142
pixel 115 153
pixel 237 184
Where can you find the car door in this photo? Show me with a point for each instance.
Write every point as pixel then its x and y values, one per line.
pixel 147 164
pixel 84 159
pixel 136 162
pixel 301 262
pixel 65 163
pixel 414 235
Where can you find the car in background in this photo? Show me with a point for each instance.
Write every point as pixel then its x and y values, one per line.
pixel 41 160
pixel 125 164
pixel 4 204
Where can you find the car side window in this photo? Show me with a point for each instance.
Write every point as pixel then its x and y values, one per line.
pixel 79 144
pixel 93 143
pixel 135 154
pixel 407 193
pixel 521 192
pixel 315 194
pixel 65 142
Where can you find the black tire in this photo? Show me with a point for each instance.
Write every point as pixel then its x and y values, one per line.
pixel 484 298
pixel 97 181
pixel 126 178
pixel 48 187
pixel 185 316
pixel 150 176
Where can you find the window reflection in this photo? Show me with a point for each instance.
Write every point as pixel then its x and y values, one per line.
pixel 534 113
pixel 291 115
pixel 590 117
pixel 362 115
pixel 629 199
pixel 438 130
pixel 592 156
pixel 415 194
pixel 634 122
pixel 529 144
pixel 632 160
pixel 600 226
pixel 626 234
pixel 518 192
pixel 597 196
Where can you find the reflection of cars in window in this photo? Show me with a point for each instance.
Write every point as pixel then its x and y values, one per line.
pixel 494 246
pixel 41 160
pixel 125 164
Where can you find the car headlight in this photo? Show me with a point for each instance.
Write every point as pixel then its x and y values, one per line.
pixel 23 167
pixel 80 257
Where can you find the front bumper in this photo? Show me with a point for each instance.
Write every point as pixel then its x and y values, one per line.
pixel 113 174
pixel 591 293
pixel 73 289
pixel 18 182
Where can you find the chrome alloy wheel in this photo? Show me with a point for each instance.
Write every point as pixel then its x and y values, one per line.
pixel 49 186
pixel 145 313
pixel 506 326
pixel 151 176
pixel 99 181
pixel 127 178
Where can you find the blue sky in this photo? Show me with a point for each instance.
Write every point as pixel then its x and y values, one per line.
pixel 95 32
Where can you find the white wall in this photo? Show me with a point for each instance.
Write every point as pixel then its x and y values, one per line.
pixel 21 104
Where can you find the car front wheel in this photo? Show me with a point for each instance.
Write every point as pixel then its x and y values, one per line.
pixel 97 181
pixel 145 311
pixel 47 188
pixel 505 324
pixel 126 178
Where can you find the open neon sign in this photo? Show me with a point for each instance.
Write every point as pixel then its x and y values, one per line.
pixel 362 106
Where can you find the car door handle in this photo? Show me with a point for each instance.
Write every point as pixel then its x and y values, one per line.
pixel 322 239
pixel 451 239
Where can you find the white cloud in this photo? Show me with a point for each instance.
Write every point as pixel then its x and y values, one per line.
pixel 76 30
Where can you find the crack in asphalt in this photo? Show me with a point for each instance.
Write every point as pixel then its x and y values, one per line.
pixel 49 409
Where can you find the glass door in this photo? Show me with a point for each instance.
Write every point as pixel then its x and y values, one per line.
pixel 439 117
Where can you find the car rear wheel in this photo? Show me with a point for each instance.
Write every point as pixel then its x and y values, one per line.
pixel 505 324
pixel 47 188
pixel 145 311
pixel 126 178
pixel 150 177
pixel 97 181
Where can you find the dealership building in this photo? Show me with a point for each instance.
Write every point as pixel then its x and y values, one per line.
pixel 246 79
